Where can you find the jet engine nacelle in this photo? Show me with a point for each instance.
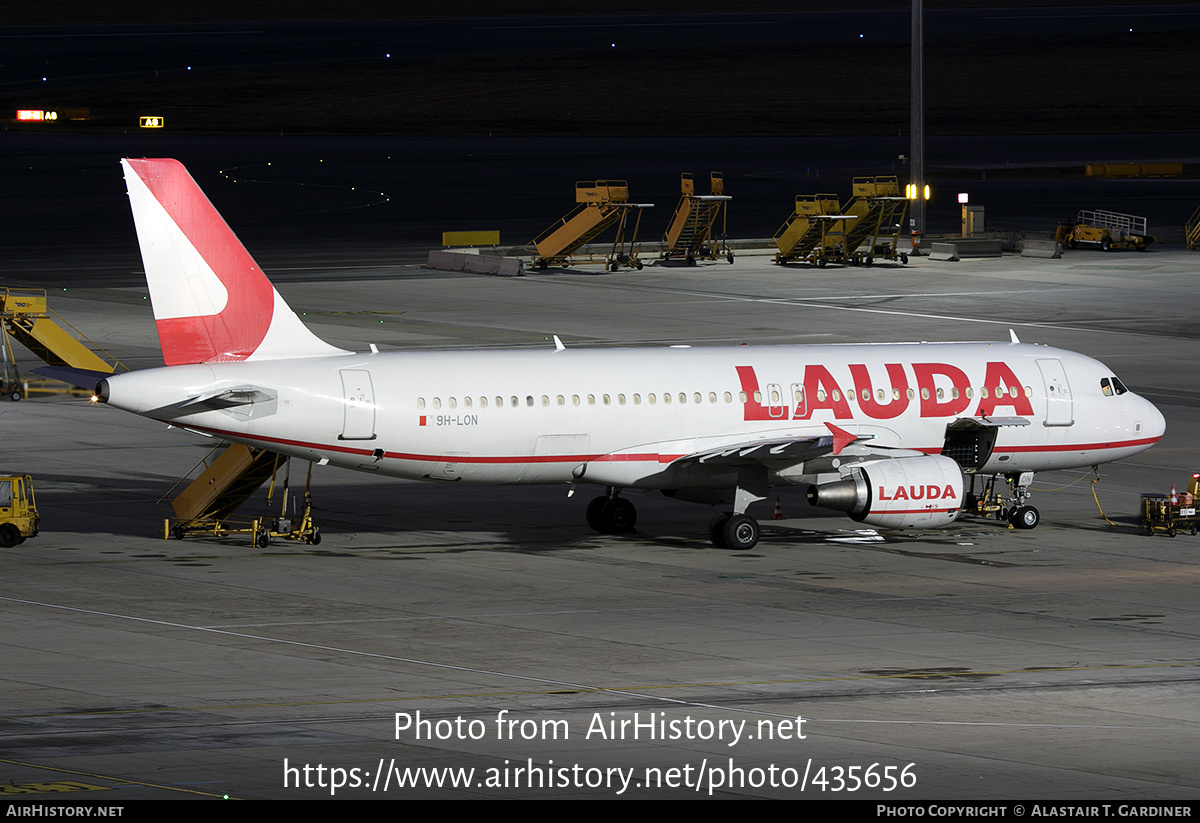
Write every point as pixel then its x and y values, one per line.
pixel 900 493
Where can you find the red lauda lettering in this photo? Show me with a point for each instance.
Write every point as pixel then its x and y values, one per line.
pixel 752 409
pixel 927 385
pixel 865 391
pixel 999 374
pixel 930 492
pixel 822 392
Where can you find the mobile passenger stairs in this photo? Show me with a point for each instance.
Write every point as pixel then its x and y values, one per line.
pixel 1192 231
pixel 690 235
pixel 601 205
pixel 231 475
pixel 25 317
pixel 804 231
pixel 821 232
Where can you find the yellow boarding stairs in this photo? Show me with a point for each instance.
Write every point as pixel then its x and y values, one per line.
pixel 819 234
pixel 24 317
pixel 1192 231
pixel 601 205
pixel 803 231
pixel 229 478
pixel 690 235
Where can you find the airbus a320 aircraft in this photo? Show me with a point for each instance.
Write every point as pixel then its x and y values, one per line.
pixel 885 433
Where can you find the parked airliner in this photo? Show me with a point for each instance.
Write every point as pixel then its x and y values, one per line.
pixel 886 433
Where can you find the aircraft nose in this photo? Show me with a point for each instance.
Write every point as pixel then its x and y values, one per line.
pixel 1154 425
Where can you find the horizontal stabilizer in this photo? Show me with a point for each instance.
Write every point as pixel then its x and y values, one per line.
pixel 83 378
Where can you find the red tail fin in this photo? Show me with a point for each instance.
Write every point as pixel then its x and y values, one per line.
pixel 212 303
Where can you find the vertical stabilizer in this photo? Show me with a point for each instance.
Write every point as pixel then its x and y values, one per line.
pixel 212 303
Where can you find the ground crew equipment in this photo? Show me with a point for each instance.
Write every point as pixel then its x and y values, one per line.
pixel 1172 513
pixel 230 477
pixel 24 317
pixel 1107 229
pixel 690 235
pixel 18 513
pixel 866 229
pixel 601 205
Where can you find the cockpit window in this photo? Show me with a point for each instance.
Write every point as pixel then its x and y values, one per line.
pixel 1111 385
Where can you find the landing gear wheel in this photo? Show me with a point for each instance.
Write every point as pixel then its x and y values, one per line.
pixel 1025 517
pixel 9 536
pixel 618 516
pixel 716 530
pixel 594 520
pixel 741 532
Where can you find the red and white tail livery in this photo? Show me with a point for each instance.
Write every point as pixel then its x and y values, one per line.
pixel 212 303
pixel 895 435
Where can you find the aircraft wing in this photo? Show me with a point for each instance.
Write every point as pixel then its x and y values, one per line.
pixel 787 451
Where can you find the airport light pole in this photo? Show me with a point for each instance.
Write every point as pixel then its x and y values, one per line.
pixel 917 118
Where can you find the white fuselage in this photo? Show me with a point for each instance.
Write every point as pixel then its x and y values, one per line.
pixel 621 417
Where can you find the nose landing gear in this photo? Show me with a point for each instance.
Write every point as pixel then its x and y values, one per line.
pixel 1011 507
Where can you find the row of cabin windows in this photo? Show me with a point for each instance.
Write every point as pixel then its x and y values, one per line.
pixel 576 400
pixel 697 398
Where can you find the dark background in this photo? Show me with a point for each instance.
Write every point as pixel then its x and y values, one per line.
pixel 302 128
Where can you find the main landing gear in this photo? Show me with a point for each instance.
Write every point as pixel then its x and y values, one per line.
pixel 737 530
pixel 610 514
pixel 734 531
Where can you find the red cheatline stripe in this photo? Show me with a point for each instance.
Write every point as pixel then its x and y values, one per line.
pixel 644 457
pixel 1070 447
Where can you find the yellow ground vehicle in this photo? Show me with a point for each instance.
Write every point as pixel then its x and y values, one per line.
pixel 1106 229
pixel 18 513
pixel 1174 513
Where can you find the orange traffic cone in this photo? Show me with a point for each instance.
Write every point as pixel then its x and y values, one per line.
pixel 1174 496
pixel 778 510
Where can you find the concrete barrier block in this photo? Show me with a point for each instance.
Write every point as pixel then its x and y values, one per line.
pixel 477 263
pixel 944 251
pixel 1042 248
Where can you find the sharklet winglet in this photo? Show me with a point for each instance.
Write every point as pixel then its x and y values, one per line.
pixel 841 437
